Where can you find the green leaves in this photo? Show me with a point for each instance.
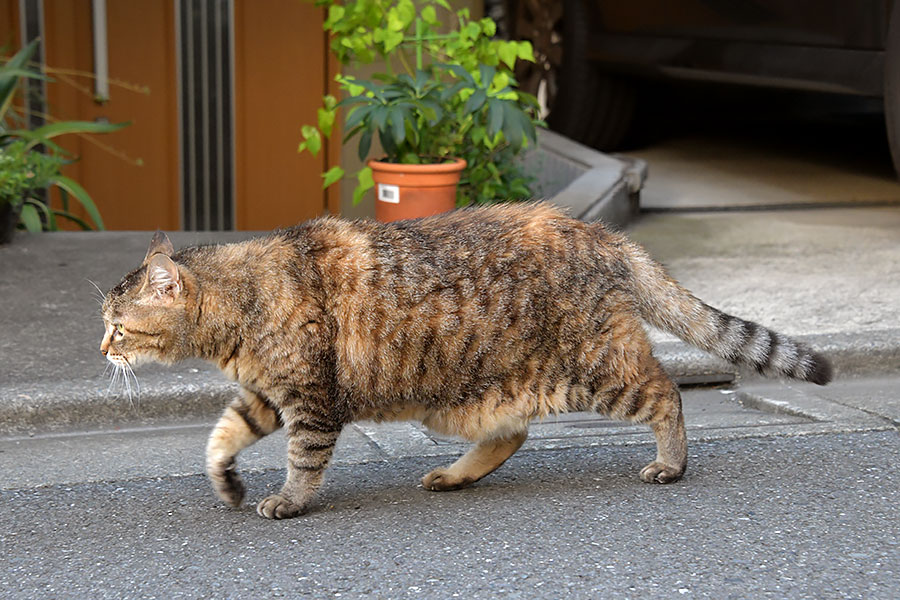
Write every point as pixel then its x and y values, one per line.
pixel 332 176
pixel 12 71
pixel 326 116
pixel 336 12
pixel 365 144
pixel 30 218
pixel 397 120
pixel 486 75
pixel 75 190
pixel 400 112
pixel 464 103
pixel 525 50
pixel 366 183
pixel 495 116
pixel 475 101
pixel 312 140
pixel 508 53
pixel 24 171
pixel 358 113
pixel 429 15
pixel 511 51
pixel 42 135
pixel 389 38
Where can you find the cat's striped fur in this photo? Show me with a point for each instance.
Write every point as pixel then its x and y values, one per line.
pixel 474 323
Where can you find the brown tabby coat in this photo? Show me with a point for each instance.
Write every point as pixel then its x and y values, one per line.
pixel 474 323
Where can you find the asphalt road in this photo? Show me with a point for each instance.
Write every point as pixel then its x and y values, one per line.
pixel 782 517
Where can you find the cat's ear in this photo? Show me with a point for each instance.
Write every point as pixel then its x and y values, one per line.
pixel 163 279
pixel 160 244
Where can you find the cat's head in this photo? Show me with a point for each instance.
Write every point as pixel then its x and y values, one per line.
pixel 146 315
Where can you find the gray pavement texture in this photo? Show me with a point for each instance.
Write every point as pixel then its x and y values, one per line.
pixel 794 517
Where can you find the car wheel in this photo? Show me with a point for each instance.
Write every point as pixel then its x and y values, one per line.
pixel 541 24
pixel 892 86
pixel 582 102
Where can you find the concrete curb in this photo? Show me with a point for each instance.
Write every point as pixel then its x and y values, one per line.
pixel 852 355
pixel 202 395
pixel 589 184
pixel 62 406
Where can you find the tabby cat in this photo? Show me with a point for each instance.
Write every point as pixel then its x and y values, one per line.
pixel 473 323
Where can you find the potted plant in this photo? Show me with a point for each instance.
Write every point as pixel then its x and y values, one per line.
pixel 22 175
pixel 445 104
pixel 31 162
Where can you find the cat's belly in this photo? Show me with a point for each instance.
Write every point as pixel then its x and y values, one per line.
pixel 493 415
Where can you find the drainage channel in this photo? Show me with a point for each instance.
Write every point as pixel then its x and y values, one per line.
pixel 720 411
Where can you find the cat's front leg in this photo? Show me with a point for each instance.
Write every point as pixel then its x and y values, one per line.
pixel 244 421
pixel 311 439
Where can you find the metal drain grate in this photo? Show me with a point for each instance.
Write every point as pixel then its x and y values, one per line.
pixel 205 31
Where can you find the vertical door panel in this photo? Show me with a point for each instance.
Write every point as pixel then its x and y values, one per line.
pixel 141 50
pixel 9 20
pixel 280 76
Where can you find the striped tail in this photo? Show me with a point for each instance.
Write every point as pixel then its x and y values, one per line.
pixel 667 305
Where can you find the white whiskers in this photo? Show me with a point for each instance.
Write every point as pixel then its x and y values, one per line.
pixel 100 297
pixel 123 381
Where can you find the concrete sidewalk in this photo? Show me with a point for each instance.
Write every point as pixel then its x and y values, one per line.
pixel 828 276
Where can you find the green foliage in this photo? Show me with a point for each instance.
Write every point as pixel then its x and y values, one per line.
pixel 22 172
pixel 31 162
pixel 446 91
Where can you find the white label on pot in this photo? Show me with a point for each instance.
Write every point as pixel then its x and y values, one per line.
pixel 389 193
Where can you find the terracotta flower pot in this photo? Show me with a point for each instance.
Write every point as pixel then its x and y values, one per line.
pixel 413 191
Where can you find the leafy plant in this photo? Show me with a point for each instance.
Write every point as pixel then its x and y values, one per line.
pixel 30 161
pixel 463 103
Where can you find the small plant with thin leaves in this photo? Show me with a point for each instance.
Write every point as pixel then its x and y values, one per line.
pixel 31 162
pixel 441 96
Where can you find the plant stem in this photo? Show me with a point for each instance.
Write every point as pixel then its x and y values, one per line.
pixel 418 43
pixel 402 56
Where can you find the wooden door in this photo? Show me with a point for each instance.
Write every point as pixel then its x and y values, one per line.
pixel 281 75
pixel 135 180
pixel 9 18
pixel 279 70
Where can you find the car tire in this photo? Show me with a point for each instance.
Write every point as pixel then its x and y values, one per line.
pixel 584 103
pixel 591 106
pixel 892 85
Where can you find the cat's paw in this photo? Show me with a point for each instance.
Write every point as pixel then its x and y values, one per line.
pixel 657 472
pixel 278 507
pixel 227 483
pixel 443 480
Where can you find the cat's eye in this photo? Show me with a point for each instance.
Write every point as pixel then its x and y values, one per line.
pixel 120 329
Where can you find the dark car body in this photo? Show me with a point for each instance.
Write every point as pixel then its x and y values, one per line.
pixel 823 45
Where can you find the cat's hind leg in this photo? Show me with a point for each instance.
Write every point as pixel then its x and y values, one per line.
pixel 481 460
pixel 654 399
pixel 671 444
pixel 245 420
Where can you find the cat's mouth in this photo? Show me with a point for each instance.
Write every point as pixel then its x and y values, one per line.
pixel 118 359
pixel 129 359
